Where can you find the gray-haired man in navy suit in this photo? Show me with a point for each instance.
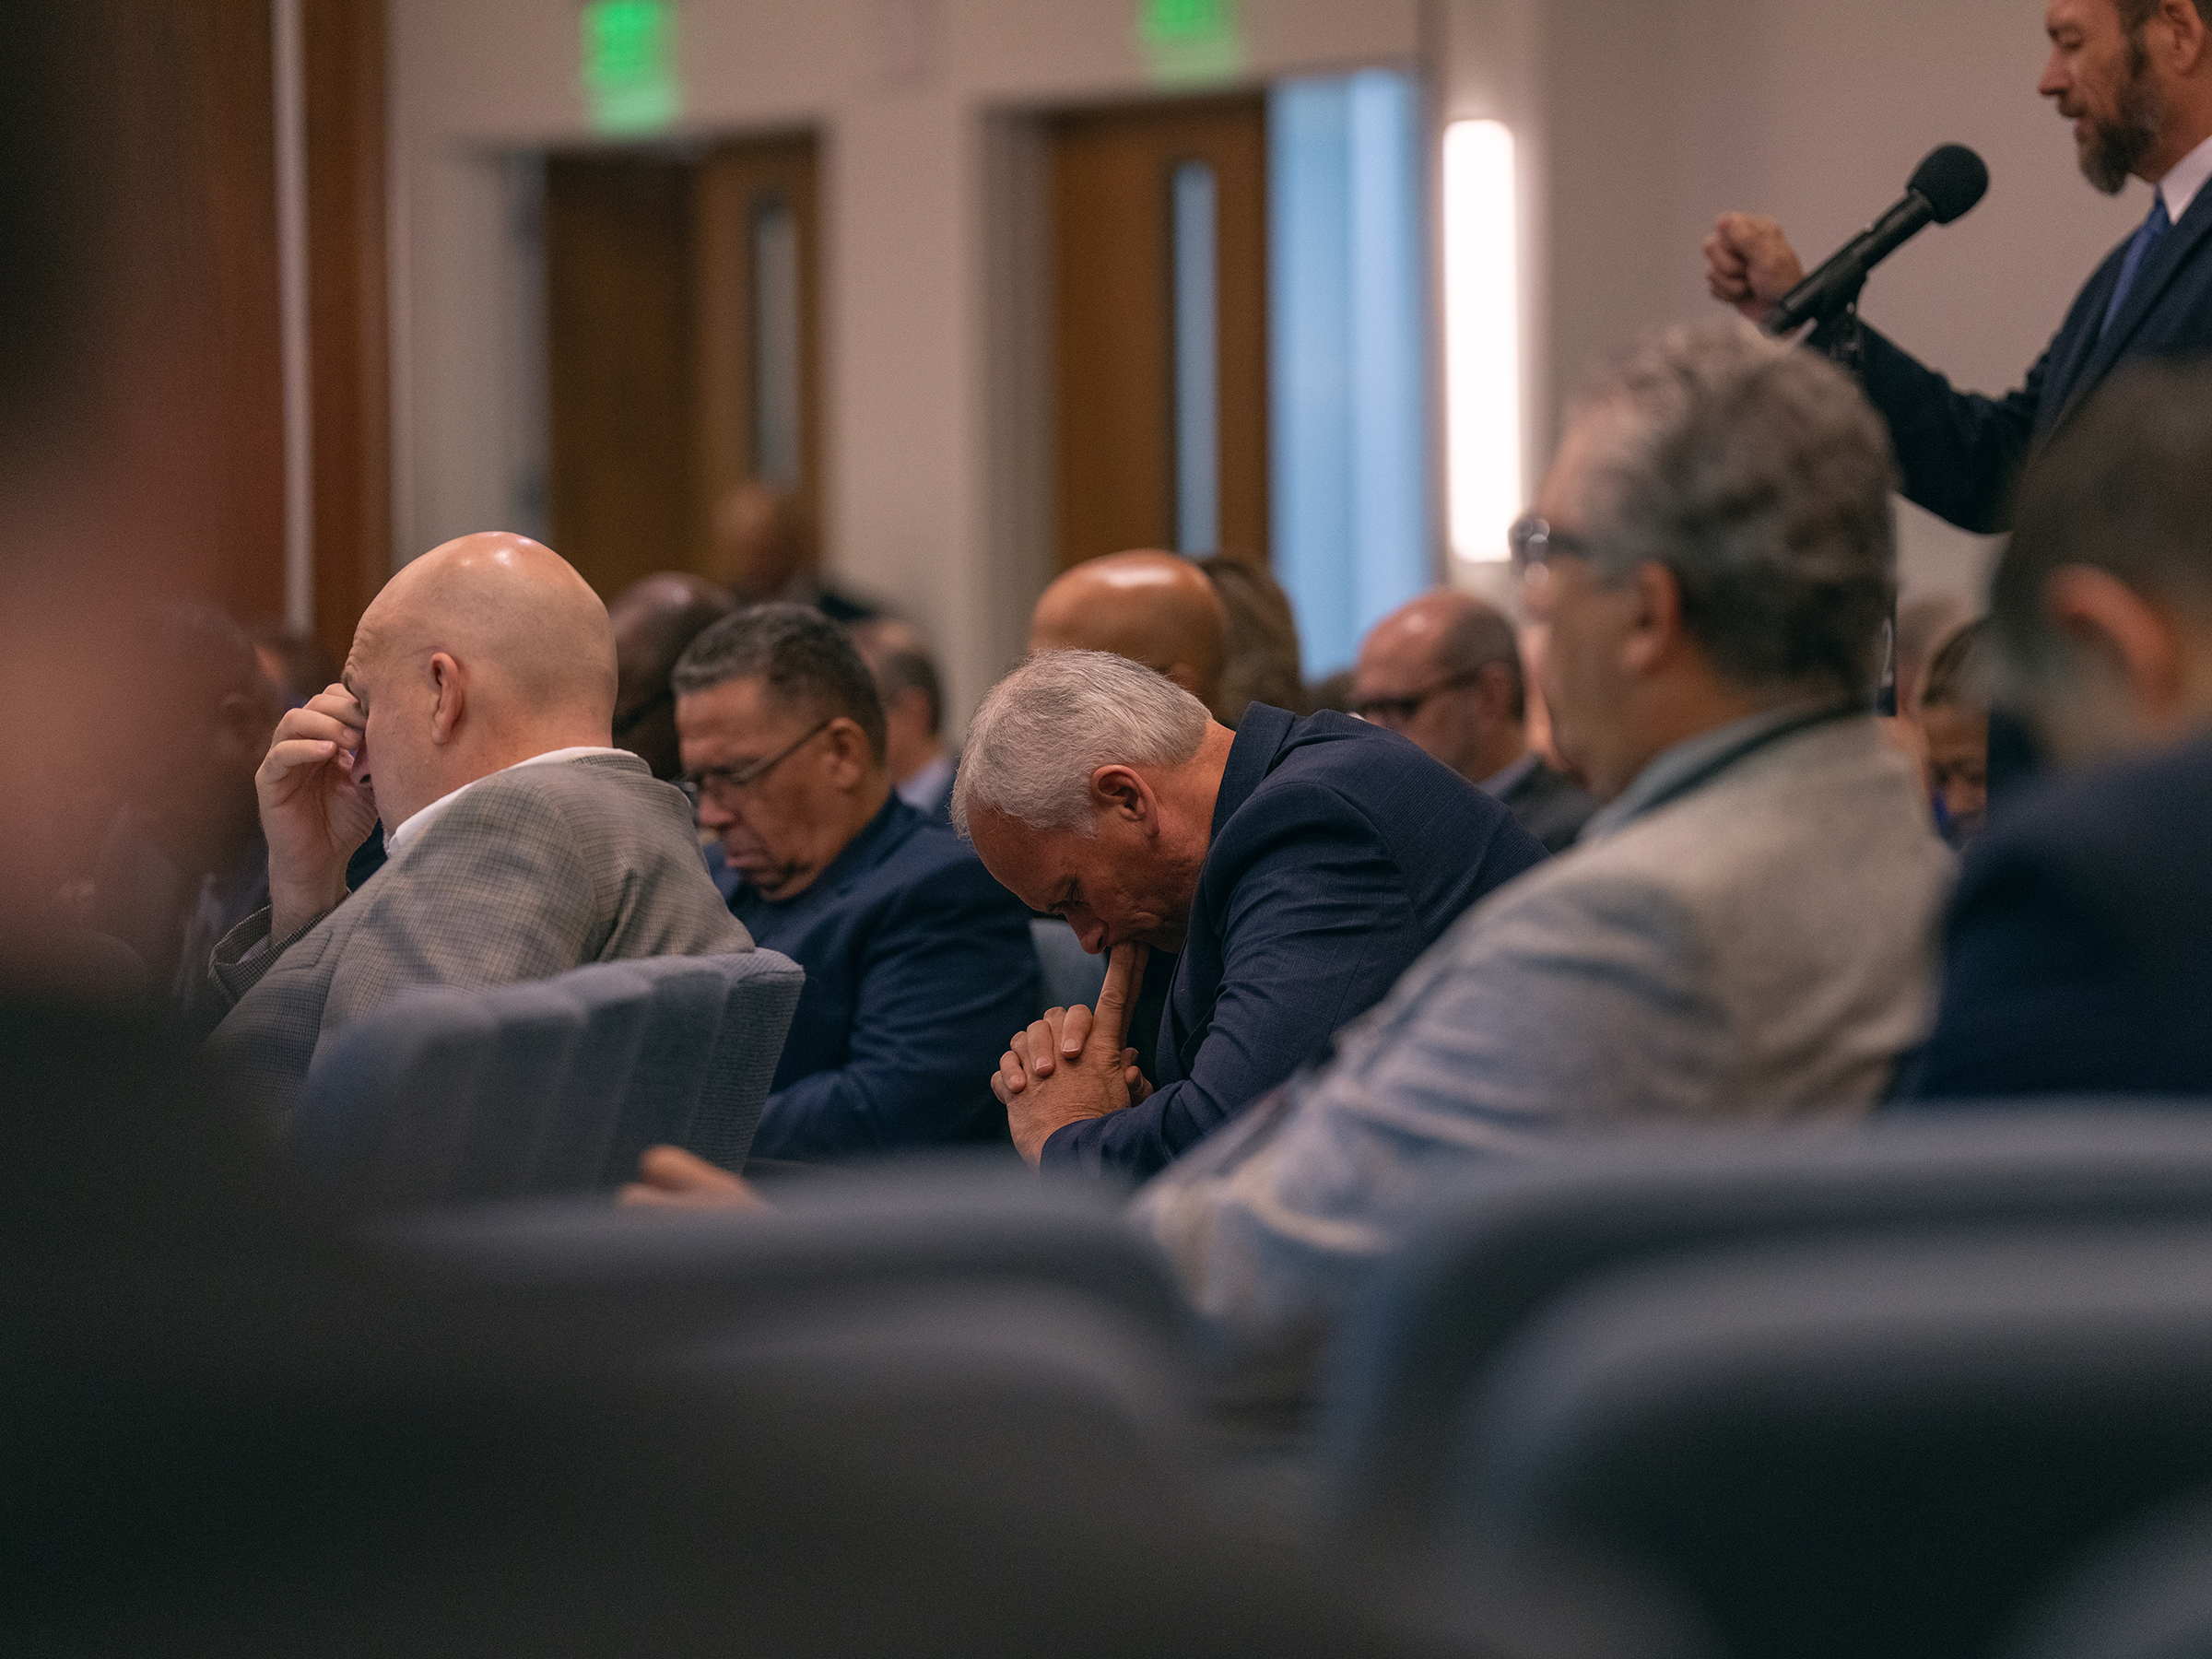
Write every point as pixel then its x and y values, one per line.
pixel 1295 866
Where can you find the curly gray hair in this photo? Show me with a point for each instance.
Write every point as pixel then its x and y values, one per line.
pixel 1760 477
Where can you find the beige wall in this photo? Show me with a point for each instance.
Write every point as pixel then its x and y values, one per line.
pixel 1640 120
pixel 916 148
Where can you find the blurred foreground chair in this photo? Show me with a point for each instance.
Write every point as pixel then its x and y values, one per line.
pixel 2145 1595
pixel 943 1225
pixel 231 1432
pixel 551 1087
pixel 1501 1251
pixel 1849 1447
pixel 954 1328
pixel 320 1466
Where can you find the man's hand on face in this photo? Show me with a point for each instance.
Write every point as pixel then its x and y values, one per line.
pixel 1070 1065
pixel 312 810
pixel 1749 263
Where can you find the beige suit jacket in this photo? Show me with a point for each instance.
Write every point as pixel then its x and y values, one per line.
pixel 532 872
pixel 1757 948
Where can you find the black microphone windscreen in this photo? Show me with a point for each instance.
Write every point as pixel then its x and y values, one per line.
pixel 1953 179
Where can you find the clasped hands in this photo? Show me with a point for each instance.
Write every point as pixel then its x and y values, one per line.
pixel 1072 1064
pixel 1065 1067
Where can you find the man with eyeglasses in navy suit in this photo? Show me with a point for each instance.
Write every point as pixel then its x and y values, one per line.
pixel 917 962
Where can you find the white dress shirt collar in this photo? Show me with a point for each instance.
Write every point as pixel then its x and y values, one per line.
pixel 411 826
pixel 2184 179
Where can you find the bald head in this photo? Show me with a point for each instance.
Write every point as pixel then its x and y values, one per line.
pixel 530 626
pixel 484 651
pixel 1445 633
pixel 667 606
pixel 1154 608
pixel 880 638
pixel 760 541
pixel 1445 670
pixel 654 620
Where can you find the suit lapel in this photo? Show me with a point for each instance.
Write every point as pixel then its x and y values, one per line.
pixel 2075 347
pixel 2151 282
pixel 880 837
pixel 1260 737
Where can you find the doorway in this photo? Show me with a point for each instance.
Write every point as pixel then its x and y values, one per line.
pixel 683 346
pixel 1240 339
pixel 1158 227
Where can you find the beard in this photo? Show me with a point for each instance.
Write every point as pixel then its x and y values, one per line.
pixel 2111 150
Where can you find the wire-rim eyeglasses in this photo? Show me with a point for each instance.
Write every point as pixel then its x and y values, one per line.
pixel 723 782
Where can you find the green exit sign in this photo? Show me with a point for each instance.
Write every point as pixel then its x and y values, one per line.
pixel 628 51
pixel 1165 21
pixel 1186 40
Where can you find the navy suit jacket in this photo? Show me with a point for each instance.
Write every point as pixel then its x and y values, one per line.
pixel 2079 954
pixel 1961 452
pixel 919 967
pixel 1339 852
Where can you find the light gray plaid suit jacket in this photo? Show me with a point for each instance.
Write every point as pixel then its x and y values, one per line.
pixel 1759 950
pixel 534 871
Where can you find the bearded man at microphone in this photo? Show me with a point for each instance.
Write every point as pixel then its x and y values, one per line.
pixel 2134 76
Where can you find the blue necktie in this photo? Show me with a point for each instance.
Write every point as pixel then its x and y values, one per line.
pixel 2146 240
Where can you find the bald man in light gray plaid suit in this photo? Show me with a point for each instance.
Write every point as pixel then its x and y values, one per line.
pixel 474 718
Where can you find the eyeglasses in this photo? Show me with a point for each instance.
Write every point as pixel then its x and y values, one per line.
pixel 725 783
pixel 1532 541
pixel 1402 711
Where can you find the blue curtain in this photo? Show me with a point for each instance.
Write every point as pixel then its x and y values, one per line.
pixel 1347 352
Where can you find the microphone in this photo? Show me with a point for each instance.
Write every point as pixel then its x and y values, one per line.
pixel 1944 187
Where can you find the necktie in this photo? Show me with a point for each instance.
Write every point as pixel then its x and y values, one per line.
pixel 2144 243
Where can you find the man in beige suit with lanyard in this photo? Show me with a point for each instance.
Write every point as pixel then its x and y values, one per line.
pixel 1743 934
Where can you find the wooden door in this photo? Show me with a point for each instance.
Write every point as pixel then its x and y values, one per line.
pixel 1112 193
pixel 342 52
pixel 654 356
pixel 194 287
pixel 757 416
pixel 620 365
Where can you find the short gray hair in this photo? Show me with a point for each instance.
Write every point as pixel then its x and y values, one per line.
pixel 1759 475
pixel 1055 719
pixel 806 662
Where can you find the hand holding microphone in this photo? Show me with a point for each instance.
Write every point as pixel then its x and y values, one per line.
pixel 1749 263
